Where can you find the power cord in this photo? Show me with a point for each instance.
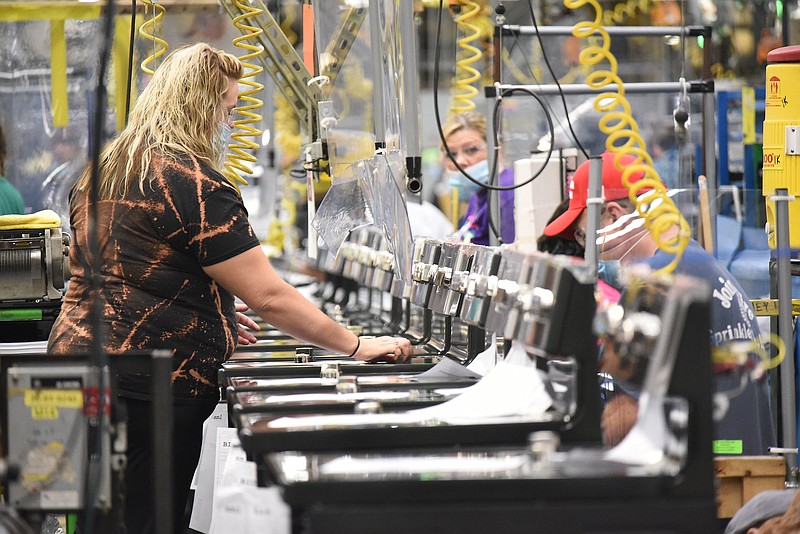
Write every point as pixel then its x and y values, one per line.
pixel 497 108
pixel 98 356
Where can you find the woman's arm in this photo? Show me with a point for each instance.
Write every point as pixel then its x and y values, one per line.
pixel 250 276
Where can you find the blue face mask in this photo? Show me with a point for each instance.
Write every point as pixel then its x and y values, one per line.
pixel 466 187
pixel 608 271
pixel 222 138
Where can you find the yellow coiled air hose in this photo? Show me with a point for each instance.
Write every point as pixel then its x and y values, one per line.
pixel 619 15
pixel 466 75
pixel 625 10
pixel 244 131
pixel 736 354
pixel 615 17
pixel 658 210
pixel 356 87
pixel 148 31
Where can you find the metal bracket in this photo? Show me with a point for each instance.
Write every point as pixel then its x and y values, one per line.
pixel 282 62
pixel 332 59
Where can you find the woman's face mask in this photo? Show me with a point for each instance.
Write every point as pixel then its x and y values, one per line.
pixel 222 137
pixel 466 187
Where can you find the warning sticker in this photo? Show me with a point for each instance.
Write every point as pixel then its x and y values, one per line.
pixel 56 398
pixel 44 412
pixel 775 96
pixel 773 159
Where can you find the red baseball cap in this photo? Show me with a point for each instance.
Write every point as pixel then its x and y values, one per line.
pixel 613 189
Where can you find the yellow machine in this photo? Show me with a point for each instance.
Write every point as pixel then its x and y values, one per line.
pixel 781 165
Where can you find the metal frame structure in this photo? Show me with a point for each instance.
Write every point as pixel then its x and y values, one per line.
pixel 705 86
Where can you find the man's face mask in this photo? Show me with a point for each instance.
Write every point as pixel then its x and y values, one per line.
pixel 616 240
pixel 609 272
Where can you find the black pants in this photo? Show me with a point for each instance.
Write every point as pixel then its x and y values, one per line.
pixel 187 436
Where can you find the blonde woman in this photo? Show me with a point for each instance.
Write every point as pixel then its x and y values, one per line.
pixel 465 134
pixel 175 246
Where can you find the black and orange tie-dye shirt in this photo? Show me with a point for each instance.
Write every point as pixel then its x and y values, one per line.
pixel 155 293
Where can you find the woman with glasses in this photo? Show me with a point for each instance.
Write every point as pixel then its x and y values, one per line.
pixel 465 137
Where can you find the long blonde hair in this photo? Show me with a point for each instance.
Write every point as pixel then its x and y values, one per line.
pixel 178 113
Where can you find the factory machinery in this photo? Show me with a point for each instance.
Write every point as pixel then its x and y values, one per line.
pixel 452 443
pixel 34 258
pixel 495 423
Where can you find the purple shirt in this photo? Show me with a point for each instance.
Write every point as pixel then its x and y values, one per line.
pixel 478 210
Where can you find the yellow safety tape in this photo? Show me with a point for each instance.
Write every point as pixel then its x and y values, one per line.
pixel 22 11
pixel 58 74
pixel 122 31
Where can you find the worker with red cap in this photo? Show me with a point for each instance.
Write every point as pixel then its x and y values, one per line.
pixel 746 427
pixel 620 232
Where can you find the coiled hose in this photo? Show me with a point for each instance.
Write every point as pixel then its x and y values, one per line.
pixel 148 31
pixel 625 10
pixel 245 130
pixel 464 89
pixel 737 354
pixel 657 209
pixel 620 13
pixel 611 17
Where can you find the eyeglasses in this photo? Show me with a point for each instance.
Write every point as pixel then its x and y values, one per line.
pixel 468 151
pixel 579 232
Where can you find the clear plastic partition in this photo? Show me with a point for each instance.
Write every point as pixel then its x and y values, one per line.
pixel 362 113
pixel 391 69
pixel 344 208
pixel 389 174
pixel 341 31
pixel 48 124
pixel 735 234
pixel 677 152
pixel 360 58
pixel 46 130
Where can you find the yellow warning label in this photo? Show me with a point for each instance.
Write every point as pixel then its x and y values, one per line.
pixel 44 412
pixel 767 307
pixel 54 398
pixel 775 96
pixel 773 159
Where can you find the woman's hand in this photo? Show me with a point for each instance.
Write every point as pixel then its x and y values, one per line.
pixel 245 323
pixel 384 349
